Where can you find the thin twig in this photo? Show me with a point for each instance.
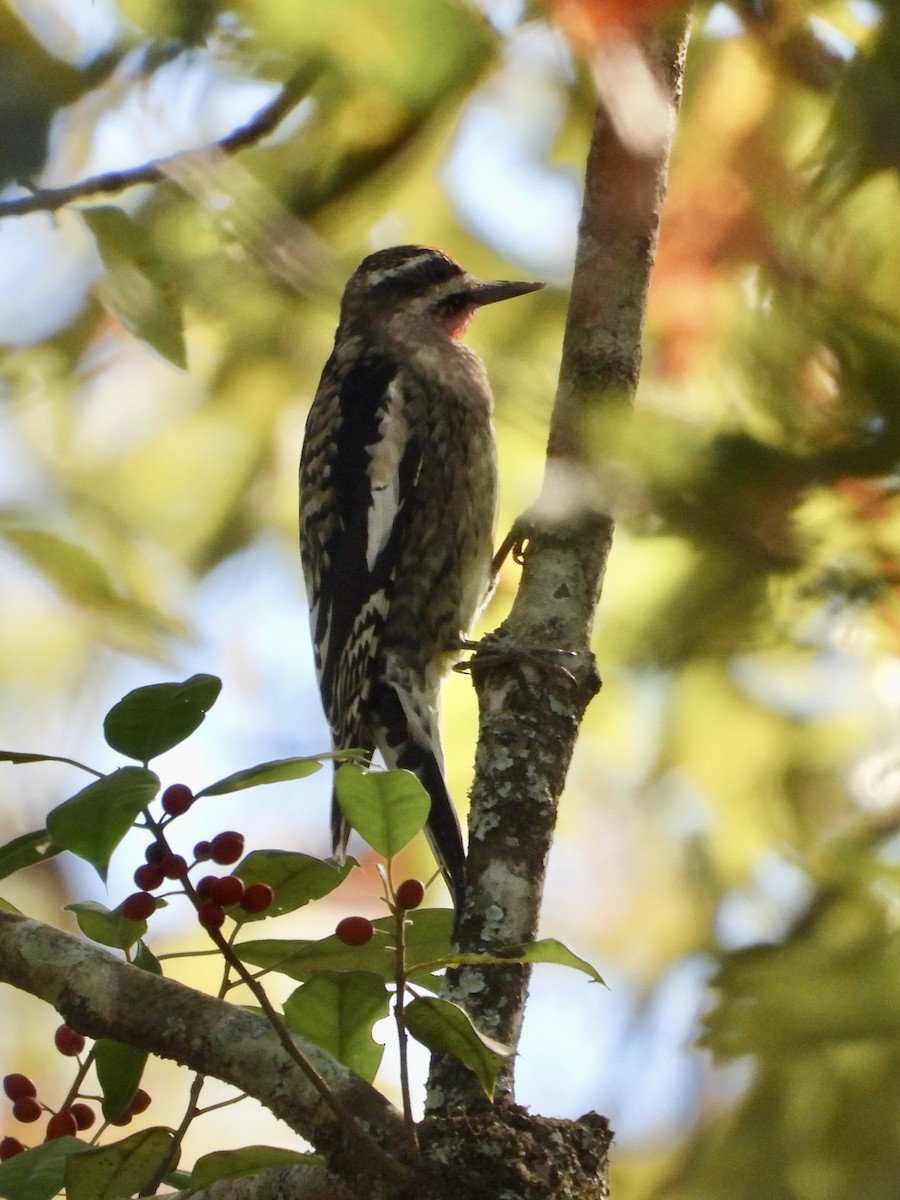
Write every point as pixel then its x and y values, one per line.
pixel 265 121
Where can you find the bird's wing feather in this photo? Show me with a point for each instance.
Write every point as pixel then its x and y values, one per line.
pixel 359 443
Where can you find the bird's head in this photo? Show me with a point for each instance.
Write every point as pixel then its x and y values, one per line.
pixel 422 287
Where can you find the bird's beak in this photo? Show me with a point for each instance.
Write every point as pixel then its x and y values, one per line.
pixel 502 289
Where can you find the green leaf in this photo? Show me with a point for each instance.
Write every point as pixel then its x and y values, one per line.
pixel 548 950
pixel 108 926
pixel 27 850
pixel 120 1170
pixel 5 906
pixel 137 286
pixel 445 1028
pixel 151 720
pixel 147 961
pixel 336 1010
pixel 37 1174
pixel 386 808
pixel 276 771
pixel 119 1071
pixel 18 756
pixel 76 573
pixel 428 936
pixel 295 879
pixel 92 823
pixel 249 1160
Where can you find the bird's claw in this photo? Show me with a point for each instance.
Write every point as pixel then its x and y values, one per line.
pixel 493 651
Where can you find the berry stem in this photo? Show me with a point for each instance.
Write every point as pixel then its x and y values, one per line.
pixel 83 1067
pixel 400 924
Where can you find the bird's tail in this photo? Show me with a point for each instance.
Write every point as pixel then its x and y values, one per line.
pixel 407 736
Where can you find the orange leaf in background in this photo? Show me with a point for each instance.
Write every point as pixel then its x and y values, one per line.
pixel 587 23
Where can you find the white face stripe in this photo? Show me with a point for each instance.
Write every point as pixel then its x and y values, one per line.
pixel 373 277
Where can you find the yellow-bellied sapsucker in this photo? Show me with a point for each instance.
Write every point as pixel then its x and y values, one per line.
pixel 398 497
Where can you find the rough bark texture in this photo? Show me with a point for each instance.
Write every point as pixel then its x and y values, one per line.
pixel 531 705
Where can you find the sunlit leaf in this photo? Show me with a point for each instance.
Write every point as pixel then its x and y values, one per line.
pixel 386 808
pixel 119 1170
pixel 107 926
pixel 276 771
pixel 92 823
pixel 547 950
pixel 249 1160
pixel 150 720
pixel 295 879
pixel 137 286
pixel 445 1028
pixel 336 1010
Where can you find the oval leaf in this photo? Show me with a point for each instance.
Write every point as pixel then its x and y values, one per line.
pixel 37 1174
pixel 294 878
pixel 126 1167
pixel 151 720
pixel 92 823
pixel 27 850
pixel 276 771
pixel 547 950
pixel 336 1010
pixel 250 1160
pixel 386 808
pixel 119 1071
pixel 137 287
pixel 445 1028
pixel 108 926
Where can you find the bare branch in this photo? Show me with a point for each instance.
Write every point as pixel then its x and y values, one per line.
pixel 265 121
pixel 532 699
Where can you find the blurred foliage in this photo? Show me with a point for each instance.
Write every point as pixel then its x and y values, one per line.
pixel 734 798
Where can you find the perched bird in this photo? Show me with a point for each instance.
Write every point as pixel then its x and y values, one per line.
pixel 398 500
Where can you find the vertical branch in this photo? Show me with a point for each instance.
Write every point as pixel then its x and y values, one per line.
pixel 532 705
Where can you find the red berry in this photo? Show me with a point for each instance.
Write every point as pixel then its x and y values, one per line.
pixel 354 931
pixel 410 893
pixel 227 848
pixel 202 851
pixel 155 852
pixel 140 1103
pixel 84 1115
pixel 206 885
pixel 227 890
pixel 27 1110
pixel 174 866
pixel 124 1118
pixel 10 1147
pixel 177 799
pixel 149 876
pixel 211 916
pixel 257 898
pixel 67 1041
pixel 18 1086
pixel 61 1124
pixel 138 907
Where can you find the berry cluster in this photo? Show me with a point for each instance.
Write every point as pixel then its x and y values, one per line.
pixel 74 1117
pixel 213 894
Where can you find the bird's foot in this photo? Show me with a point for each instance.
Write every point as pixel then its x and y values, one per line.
pixel 494 651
